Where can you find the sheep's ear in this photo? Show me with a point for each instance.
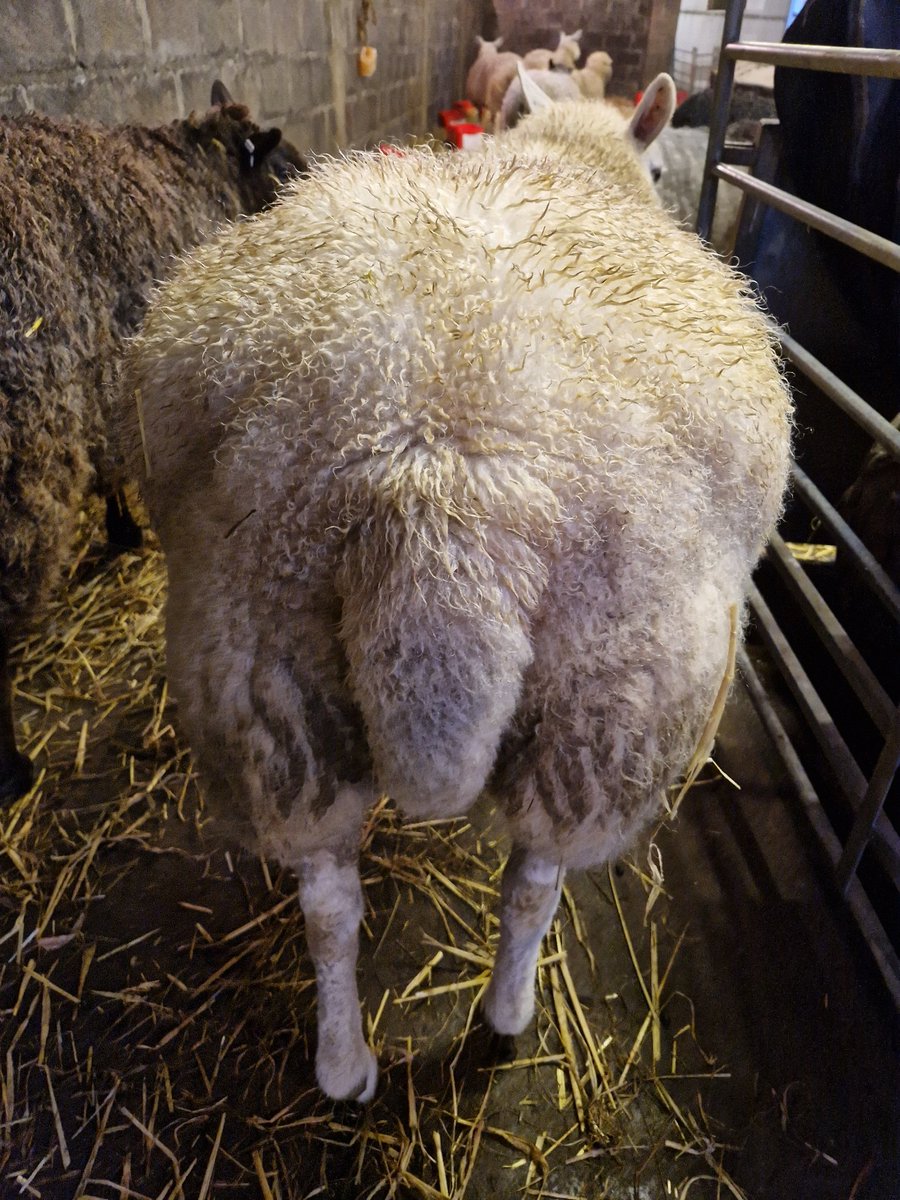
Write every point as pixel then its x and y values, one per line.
pixel 654 111
pixel 576 36
pixel 256 147
pixel 498 42
pixel 220 94
pixel 535 97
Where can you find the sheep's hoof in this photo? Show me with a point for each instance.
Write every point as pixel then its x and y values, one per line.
pixel 16 779
pixel 482 1050
pixel 349 1080
pixel 501 1048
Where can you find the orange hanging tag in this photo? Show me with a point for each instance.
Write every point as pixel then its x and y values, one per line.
pixel 366 61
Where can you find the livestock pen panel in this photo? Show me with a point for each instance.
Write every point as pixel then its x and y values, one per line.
pixel 831 631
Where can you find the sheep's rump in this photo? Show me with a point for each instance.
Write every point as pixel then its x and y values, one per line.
pixel 444 418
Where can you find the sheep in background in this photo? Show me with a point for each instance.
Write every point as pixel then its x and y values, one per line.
pixel 492 73
pixel 480 70
pixel 461 464
pixel 558 85
pixel 501 75
pixel 537 60
pixel 748 103
pixel 679 158
pixel 565 56
pixel 587 83
pixel 567 52
pixel 593 77
pixel 90 218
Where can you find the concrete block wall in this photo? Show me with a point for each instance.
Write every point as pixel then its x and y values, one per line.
pixel 292 61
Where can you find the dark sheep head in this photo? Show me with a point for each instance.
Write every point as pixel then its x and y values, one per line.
pixel 261 159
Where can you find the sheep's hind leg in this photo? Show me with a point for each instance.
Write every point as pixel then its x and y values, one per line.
pixel 528 900
pixel 16 771
pixel 332 902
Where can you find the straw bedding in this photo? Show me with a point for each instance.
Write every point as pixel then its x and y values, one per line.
pixel 156 1001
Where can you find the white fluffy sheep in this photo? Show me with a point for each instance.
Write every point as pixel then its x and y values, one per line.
pixel 593 77
pixel 537 60
pixel 461 464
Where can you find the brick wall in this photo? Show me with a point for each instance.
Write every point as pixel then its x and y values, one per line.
pixel 292 61
pixel 637 34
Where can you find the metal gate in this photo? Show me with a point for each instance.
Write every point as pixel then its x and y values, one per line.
pixel 866 828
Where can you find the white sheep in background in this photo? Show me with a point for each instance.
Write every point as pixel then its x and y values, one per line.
pixel 501 74
pixel 492 72
pixel 588 83
pixel 461 464
pixel 565 56
pixel 487 59
pixel 557 85
pixel 593 77
pixel 679 155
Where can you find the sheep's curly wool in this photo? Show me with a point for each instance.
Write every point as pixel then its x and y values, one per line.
pixel 90 218
pixel 459 463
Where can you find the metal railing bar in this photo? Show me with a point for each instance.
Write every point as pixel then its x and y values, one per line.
pixel 888 842
pixel 879 249
pixel 850 778
pixel 862 559
pixel 844 60
pixel 731 31
pixel 834 638
pixel 871 809
pixel 853 405
pixel 848 775
pixel 860 906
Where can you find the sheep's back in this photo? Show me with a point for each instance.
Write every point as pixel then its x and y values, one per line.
pixel 511 309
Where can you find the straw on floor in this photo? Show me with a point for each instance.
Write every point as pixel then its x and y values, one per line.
pixel 157 1008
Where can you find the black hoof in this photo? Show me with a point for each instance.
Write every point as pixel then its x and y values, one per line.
pixel 483 1050
pixel 500 1048
pixel 16 779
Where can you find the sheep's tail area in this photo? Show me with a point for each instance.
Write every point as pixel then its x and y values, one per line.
pixel 441 572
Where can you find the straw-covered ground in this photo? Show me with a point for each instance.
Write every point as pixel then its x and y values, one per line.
pixel 157 1009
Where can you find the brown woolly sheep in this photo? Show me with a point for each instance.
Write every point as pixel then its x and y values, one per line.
pixel 90 218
